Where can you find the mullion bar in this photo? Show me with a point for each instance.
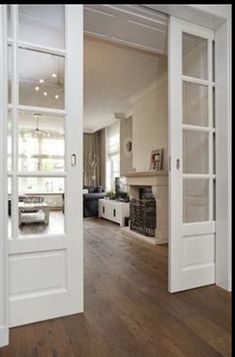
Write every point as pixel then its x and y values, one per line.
pixel 48 111
pixel 196 128
pixel 41 174
pixel 194 80
pixel 42 49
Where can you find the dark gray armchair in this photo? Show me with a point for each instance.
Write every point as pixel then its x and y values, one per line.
pixel 91 200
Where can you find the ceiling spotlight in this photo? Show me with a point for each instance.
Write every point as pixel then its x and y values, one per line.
pixel 45 93
pixel 56 96
pixel 41 80
pixel 54 75
pixel 37 88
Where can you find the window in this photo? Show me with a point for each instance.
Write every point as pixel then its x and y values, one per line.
pixel 113 155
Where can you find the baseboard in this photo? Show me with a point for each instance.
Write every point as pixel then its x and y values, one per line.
pixel 225 284
pixel 4 336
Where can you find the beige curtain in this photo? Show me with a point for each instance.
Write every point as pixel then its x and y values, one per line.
pixel 91 159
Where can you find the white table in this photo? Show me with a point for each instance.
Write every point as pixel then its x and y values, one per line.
pixel 31 207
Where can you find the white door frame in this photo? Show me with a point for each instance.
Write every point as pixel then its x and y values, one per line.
pixel 4 329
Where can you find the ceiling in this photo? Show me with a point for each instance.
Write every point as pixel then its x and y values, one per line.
pixel 113 75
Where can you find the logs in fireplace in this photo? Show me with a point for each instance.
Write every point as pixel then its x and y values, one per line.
pixel 143 213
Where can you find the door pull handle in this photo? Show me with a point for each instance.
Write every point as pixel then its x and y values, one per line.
pixel 73 160
pixel 177 164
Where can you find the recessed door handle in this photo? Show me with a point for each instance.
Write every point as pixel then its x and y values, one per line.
pixel 177 164
pixel 73 160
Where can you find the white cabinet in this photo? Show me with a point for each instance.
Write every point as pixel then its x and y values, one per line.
pixel 114 211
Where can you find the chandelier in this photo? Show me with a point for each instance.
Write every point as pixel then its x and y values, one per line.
pixel 38 132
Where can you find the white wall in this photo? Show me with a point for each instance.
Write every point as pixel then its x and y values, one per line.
pixel 150 122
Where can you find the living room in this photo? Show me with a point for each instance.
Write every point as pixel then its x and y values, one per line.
pixel 127 103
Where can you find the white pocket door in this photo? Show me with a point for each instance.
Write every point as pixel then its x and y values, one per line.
pixel 192 142
pixel 45 87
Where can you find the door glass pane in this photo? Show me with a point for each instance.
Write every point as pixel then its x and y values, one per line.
pixel 9 73
pixel 195 152
pixel 213 107
pixel 9 191
pixel 9 142
pixel 195 104
pixel 41 142
pixel 214 152
pixel 9 29
pixel 41 205
pixel 42 25
pixel 213 61
pixel 194 57
pixel 195 200
pixel 41 79
pixel 214 200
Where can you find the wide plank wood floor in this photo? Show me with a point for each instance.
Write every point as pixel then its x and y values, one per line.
pixel 128 311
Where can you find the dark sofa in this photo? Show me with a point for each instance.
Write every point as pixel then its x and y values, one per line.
pixel 91 200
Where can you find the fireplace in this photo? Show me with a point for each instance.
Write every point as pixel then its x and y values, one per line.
pixel 149 194
pixel 143 213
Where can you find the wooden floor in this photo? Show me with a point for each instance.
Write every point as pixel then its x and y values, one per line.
pixel 128 311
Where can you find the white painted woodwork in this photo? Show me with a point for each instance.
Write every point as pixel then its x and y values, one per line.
pixel 114 211
pixel 191 245
pixel 158 180
pixel 223 73
pixel 46 272
pixel 4 331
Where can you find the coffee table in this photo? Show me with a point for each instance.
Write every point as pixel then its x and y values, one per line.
pixel 25 207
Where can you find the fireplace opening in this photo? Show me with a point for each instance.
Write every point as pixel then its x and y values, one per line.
pixel 143 212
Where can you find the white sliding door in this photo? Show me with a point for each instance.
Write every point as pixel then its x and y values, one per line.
pixel 44 159
pixel 192 143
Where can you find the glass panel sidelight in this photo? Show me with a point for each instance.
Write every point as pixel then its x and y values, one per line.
pixel 41 79
pixel 41 142
pixel 195 200
pixel 41 205
pixel 9 142
pixel 195 152
pixel 9 74
pixel 194 56
pixel 195 104
pixel 42 25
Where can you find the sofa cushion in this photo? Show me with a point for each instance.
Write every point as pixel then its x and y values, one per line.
pixel 98 189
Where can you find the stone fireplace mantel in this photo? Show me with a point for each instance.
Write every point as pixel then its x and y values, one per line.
pixel 147 178
pixel 158 180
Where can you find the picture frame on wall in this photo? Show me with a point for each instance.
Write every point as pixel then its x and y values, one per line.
pixel 156 160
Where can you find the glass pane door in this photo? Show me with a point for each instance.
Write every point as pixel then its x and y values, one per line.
pixel 192 153
pixel 44 189
pixel 37 120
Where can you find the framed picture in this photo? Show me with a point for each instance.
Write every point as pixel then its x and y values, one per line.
pixel 156 160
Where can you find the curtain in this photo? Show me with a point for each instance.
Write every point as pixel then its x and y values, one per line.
pixel 91 159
